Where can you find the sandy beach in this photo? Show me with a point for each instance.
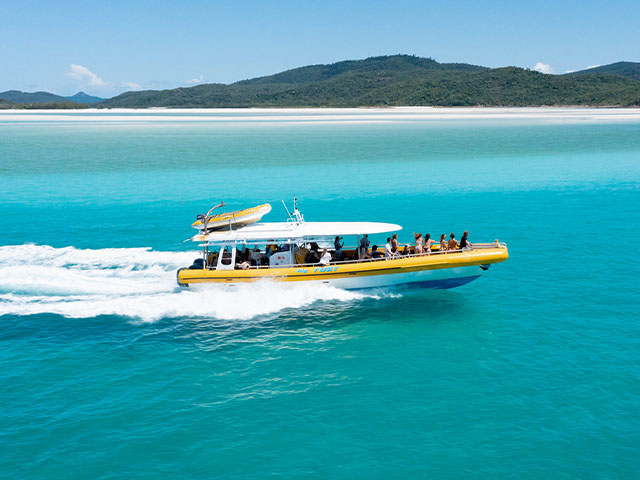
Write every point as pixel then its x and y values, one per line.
pixel 325 115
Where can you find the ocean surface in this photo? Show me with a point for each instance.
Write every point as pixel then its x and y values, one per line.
pixel 109 370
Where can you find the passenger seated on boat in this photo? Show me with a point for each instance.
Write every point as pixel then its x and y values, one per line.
pixel 428 241
pixel 255 256
pixel 242 255
pixel 338 246
pixel 443 242
pixel 364 246
pixel 464 241
pixel 313 255
pixel 301 255
pixel 394 244
pixel 453 243
pixel 375 253
pixel 283 248
pixel 387 248
pixel 407 249
pixel 326 257
pixel 418 237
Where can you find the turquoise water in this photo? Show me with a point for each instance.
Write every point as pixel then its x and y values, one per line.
pixel 109 370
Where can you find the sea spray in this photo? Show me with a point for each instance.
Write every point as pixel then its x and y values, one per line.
pixel 135 282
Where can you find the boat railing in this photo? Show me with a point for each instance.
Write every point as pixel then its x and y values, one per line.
pixel 476 246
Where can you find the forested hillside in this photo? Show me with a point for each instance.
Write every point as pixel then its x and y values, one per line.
pixel 398 80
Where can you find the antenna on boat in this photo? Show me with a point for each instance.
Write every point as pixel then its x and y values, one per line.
pixel 296 217
pixel 296 212
pixel 288 213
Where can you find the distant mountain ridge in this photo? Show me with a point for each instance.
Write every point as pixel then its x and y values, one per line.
pixel 315 73
pixel 624 69
pixel 16 96
pixel 82 97
pixel 401 80
pixel 393 80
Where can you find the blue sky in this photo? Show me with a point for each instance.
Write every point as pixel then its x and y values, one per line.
pixel 105 48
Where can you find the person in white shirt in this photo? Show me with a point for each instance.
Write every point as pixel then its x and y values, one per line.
pixel 325 258
pixel 387 249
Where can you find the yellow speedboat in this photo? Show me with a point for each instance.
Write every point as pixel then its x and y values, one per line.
pixel 300 251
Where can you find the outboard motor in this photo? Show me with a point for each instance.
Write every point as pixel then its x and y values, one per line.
pixel 202 218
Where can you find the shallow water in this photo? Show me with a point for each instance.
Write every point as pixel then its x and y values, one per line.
pixel 110 370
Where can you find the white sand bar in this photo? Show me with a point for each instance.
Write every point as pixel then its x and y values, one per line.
pixel 322 115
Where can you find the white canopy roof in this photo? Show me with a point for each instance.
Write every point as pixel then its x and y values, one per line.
pixel 290 230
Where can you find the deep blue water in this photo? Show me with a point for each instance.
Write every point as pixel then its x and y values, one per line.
pixel 109 370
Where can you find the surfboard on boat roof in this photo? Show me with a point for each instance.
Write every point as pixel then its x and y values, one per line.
pixel 231 219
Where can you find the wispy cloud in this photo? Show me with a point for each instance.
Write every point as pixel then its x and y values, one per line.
pixel 592 66
pixel 85 75
pixel 132 85
pixel 196 80
pixel 543 68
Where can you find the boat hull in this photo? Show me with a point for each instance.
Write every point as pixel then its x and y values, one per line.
pixel 427 271
pixel 438 279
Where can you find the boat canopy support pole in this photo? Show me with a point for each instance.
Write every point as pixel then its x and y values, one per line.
pixel 358 247
pixel 207 217
pixel 205 250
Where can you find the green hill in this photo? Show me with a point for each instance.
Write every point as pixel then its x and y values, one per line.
pixel 395 81
pixel 14 99
pixel 395 63
pixel 624 69
pixel 16 96
pixel 40 98
pixel 66 105
pixel 82 97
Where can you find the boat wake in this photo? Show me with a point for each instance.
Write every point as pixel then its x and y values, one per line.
pixel 135 282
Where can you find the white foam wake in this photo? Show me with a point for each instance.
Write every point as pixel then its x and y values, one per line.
pixel 134 282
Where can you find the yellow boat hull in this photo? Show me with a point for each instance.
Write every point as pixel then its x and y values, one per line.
pixel 436 270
